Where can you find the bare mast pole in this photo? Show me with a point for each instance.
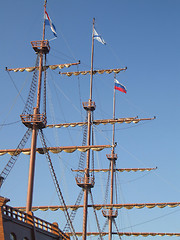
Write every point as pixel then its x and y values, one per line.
pixel 111 214
pixel 35 129
pixel 87 181
pixel 112 169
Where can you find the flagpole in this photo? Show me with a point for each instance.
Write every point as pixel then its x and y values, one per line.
pixel 92 61
pixel 45 3
pixel 114 102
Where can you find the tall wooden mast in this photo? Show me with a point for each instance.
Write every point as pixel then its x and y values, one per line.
pixel 111 214
pixel 87 182
pixel 89 107
pixel 39 121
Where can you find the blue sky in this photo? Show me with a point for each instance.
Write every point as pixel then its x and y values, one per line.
pixel 140 34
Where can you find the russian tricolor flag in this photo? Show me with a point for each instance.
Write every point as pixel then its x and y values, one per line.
pixel 49 22
pixel 119 86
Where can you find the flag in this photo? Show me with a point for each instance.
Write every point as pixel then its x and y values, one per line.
pixel 49 22
pixel 98 37
pixel 119 86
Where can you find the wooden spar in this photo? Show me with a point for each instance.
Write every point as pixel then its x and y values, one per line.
pixel 144 234
pixel 103 121
pixel 128 206
pixel 35 128
pixel 30 69
pixel 69 149
pixel 117 170
pixel 101 71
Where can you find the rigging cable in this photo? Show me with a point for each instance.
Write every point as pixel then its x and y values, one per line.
pixel 66 57
pixel 67 44
pixel 116 193
pixel 92 173
pixel 151 220
pixel 53 117
pixel 136 125
pixel 104 227
pixel 98 226
pixel 80 99
pixel 123 201
pixel 59 102
pixel 82 154
pixel 57 186
pixel 107 185
pixel 28 109
pixel 19 92
pixel 67 98
pixel 100 131
pixel 12 106
pixel 116 228
pixel 4 174
pixel 7 124
pixel 73 212
pixel 45 77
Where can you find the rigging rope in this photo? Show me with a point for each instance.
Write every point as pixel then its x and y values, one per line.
pixel 83 154
pixel 151 220
pixel 28 109
pixel 116 228
pixel 15 156
pixel 67 44
pixel 3 124
pixel 58 190
pixel 92 173
pixel 104 227
pixel 7 124
pixel 98 226
pixel 67 98
pixel 80 99
pixel 107 186
pixel 73 212
pixel 16 87
pixel 116 193
pixel 45 75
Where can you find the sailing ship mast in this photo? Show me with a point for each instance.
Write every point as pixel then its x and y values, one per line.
pixel 43 49
pixel 88 182
pixel 111 214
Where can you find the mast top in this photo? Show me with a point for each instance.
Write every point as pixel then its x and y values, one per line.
pixel 45 2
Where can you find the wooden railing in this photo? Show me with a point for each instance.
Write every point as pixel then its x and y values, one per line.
pixel 112 156
pixel 89 106
pixel 90 180
pixel 32 220
pixel 41 45
pixel 33 118
pixel 110 213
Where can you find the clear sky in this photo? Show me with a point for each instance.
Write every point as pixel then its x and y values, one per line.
pixel 140 34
